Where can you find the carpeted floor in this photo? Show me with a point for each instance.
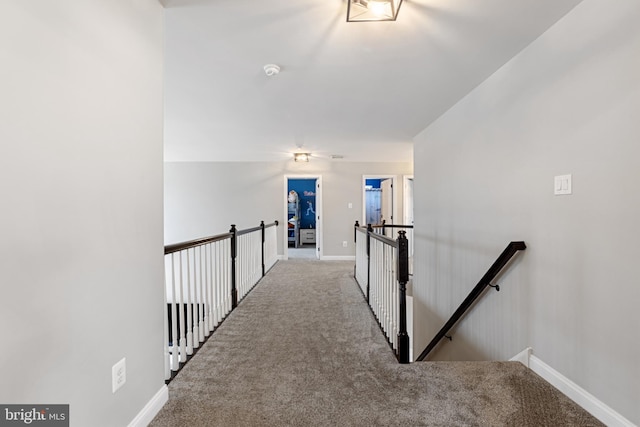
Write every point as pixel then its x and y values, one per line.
pixel 302 349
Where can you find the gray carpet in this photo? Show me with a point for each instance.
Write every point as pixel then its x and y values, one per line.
pixel 304 350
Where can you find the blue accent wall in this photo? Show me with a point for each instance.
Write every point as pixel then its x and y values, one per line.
pixel 374 183
pixel 306 189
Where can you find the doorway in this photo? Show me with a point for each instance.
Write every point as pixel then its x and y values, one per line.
pixel 378 199
pixel 303 206
pixel 408 200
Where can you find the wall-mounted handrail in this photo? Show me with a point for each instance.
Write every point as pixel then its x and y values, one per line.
pixel 506 255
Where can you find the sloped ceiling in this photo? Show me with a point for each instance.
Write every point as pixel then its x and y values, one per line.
pixel 359 90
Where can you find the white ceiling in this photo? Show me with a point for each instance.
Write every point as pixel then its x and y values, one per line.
pixel 360 90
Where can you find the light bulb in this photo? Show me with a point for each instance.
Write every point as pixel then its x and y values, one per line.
pixel 378 8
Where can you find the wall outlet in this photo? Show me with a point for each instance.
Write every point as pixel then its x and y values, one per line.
pixel 118 375
pixel 344 244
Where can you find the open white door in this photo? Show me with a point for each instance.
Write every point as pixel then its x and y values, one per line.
pixel 387 200
pixel 387 203
pixel 319 218
pixel 408 200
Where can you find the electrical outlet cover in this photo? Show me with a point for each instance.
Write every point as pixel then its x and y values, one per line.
pixel 118 375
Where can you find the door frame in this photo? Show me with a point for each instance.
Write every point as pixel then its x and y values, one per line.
pixel 407 199
pixel 394 197
pixel 319 216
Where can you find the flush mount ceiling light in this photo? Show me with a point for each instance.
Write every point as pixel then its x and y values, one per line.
pixel 372 10
pixel 301 157
pixel 271 69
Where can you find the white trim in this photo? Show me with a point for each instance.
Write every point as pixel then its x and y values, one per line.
pixel 151 409
pixel 523 356
pixel 395 208
pixel 319 214
pixel 338 258
pixel 573 391
pixel 406 199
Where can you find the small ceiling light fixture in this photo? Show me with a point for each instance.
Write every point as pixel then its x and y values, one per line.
pixel 372 10
pixel 301 157
pixel 271 69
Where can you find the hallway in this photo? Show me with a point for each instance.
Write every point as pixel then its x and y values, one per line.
pixel 303 349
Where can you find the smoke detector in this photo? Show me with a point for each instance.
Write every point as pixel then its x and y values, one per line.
pixel 271 69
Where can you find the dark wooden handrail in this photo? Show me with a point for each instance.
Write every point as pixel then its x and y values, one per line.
pixel 176 247
pixel 391 226
pixel 357 227
pixel 384 239
pixel 506 255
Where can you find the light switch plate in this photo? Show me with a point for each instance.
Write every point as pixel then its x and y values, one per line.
pixel 562 185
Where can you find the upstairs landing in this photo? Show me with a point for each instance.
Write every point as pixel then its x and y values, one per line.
pixel 303 349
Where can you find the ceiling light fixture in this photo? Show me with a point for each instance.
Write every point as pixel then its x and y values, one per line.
pixel 301 157
pixel 271 69
pixel 372 10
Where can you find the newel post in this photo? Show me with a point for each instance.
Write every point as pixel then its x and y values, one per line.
pixel 403 278
pixel 234 251
pixel 262 231
pixel 355 231
pixel 369 232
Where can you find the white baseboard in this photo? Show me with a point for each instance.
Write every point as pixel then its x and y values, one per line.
pixel 523 356
pixel 573 391
pixel 151 409
pixel 338 258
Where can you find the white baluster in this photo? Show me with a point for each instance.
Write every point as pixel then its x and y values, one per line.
pixel 240 268
pixel 219 281
pixel 195 287
pixel 390 282
pixel 227 277
pixel 201 328
pixel 167 355
pixel 189 307
pixel 211 288
pixel 245 264
pixel 207 294
pixel 174 318
pixel 181 308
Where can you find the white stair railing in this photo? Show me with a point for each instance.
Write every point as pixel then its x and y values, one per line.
pixel 270 248
pixel 382 272
pixel 204 280
pixel 361 270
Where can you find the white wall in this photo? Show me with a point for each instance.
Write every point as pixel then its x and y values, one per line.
pixel 567 104
pixel 81 189
pixel 203 199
